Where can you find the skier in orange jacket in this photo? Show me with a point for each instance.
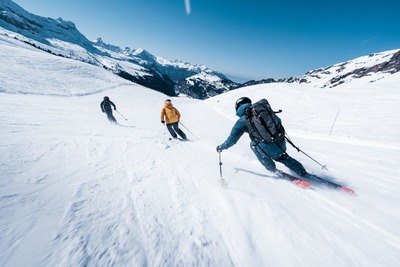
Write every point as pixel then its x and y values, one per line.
pixel 171 116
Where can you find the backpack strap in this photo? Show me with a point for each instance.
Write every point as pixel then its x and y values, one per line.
pixel 280 130
pixel 251 113
pixel 264 124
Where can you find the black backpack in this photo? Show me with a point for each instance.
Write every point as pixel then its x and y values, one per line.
pixel 263 123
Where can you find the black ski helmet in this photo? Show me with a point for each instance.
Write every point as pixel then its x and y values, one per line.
pixel 241 101
pixel 106 98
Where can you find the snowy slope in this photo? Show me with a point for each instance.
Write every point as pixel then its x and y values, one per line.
pixel 27 70
pixel 77 191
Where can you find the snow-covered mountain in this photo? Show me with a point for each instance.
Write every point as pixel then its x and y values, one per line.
pixel 369 69
pixel 62 38
pixel 205 85
pixel 177 70
pixel 196 81
pixel 78 191
pixel 41 29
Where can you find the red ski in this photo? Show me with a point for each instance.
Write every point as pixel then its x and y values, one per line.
pixel 310 178
pixel 331 184
pixel 297 181
pixel 347 190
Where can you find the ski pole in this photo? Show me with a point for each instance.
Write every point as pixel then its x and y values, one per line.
pixel 221 179
pixel 220 165
pixel 188 130
pixel 121 115
pixel 299 150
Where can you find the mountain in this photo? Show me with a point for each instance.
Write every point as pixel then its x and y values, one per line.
pixel 369 69
pixel 205 85
pixel 16 19
pixel 189 79
pixel 62 38
pixel 255 82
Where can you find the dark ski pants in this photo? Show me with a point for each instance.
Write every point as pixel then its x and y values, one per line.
pixel 111 118
pixel 267 153
pixel 173 129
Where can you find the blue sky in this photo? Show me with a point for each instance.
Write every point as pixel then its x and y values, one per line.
pixel 244 38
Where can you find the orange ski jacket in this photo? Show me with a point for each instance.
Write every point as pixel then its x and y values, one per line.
pixel 169 114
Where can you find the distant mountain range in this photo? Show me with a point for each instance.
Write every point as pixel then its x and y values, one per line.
pixel 370 68
pixel 62 38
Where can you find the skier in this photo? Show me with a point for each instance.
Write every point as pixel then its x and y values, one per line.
pixel 106 107
pixel 171 116
pixel 266 152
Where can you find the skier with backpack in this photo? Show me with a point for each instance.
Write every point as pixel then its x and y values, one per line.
pixel 266 133
pixel 106 107
pixel 171 116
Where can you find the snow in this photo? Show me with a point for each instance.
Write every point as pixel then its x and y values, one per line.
pixel 78 191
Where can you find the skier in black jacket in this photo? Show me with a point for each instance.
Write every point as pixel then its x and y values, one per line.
pixel 106 107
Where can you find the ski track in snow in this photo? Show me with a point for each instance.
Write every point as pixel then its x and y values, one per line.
pixel 137 225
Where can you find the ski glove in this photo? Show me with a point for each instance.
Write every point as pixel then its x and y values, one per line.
pixel 219 149
pixel 162 122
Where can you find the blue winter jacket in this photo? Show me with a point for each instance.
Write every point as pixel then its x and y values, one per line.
pixel 271 149
pixel 238 129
